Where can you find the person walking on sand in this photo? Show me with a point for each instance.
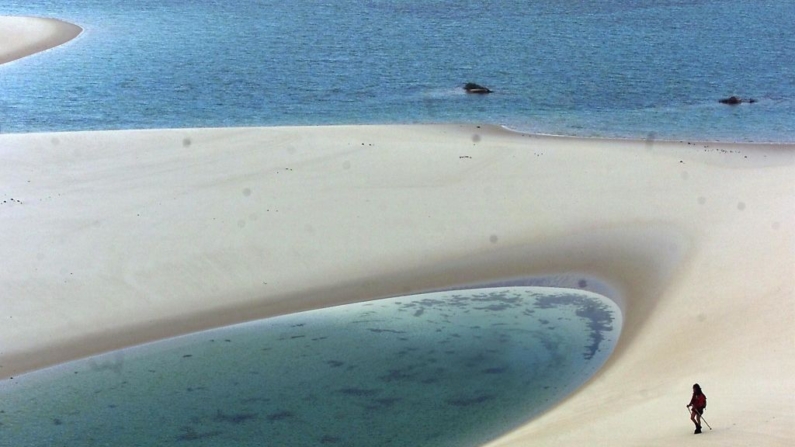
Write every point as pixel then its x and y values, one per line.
pixel 697 405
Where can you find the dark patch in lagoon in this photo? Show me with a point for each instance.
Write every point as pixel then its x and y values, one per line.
pixel 396 375
pixel 391 331
pixel 499 297
pixel 469 401
pixel 255 400
pixel 280 416
pixel 388 401
pixel 192 435
pixel 599 317
pixel 237 418
pixel 359 392
pixel 379 404
pixel 495 307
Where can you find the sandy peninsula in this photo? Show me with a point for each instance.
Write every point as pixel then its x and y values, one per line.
pixel 24 36
pixel 118 238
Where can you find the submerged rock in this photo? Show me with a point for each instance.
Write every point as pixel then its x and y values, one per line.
pixel 734 100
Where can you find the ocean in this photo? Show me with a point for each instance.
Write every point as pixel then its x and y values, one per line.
pixel 448 369
pixel 607 68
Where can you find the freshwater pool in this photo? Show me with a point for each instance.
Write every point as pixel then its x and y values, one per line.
pixel 453 368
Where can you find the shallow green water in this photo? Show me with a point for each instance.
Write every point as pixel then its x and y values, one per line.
pixel 454 368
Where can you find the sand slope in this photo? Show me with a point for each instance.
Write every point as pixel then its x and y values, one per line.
pixel 24 36
pixel 116 238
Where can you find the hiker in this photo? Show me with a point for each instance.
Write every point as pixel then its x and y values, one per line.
pixel 697 405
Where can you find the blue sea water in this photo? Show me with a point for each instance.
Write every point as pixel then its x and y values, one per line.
pixel 455 368
pixel 606 68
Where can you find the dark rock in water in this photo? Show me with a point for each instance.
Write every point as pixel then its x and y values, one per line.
pixel 471 87
pixel 734 100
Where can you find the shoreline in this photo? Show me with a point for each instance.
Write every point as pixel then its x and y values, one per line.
pixel 116 238
pixel 495 127
pixel 26 36
pixel 662 140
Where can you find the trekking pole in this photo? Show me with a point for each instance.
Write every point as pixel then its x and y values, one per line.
pixel 702 418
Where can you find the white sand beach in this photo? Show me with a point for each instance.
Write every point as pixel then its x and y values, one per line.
pixel 24 36
pixel 112 239
pixel 117 238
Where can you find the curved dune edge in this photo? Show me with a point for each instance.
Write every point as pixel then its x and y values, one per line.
pixel 118 238
pixel 25 36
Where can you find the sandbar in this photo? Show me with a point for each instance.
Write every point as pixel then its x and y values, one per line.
pixel 116 238
pixel 25 36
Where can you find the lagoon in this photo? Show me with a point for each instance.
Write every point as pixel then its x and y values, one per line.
pixel 450 368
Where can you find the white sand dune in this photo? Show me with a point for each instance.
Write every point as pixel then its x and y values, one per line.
pixel 24 36
pixel 116 238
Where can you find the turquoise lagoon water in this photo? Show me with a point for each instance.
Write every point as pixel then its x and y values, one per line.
pixel 592 68
pixel 454 368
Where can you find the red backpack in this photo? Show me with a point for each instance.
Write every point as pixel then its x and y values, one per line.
pixel 701 401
